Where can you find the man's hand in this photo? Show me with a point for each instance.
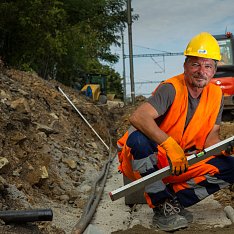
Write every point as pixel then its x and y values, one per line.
pixel 175 153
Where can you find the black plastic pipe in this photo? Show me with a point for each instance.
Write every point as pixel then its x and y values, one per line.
pixel 22 216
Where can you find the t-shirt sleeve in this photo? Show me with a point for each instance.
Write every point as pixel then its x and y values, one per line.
pixel 219 117
pixel 163 98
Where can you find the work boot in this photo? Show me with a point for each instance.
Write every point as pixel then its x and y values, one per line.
pixel 183 212
pixel 166 217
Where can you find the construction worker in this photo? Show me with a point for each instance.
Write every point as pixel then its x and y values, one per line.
pixel 182 117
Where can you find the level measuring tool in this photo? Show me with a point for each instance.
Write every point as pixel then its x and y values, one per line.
pixel 166 171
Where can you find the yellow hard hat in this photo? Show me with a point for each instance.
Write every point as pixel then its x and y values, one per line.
pixel 203 45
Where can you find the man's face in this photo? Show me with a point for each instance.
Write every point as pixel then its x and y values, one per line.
pixel 199 71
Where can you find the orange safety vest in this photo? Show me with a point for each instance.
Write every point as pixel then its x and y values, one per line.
pixel 173 124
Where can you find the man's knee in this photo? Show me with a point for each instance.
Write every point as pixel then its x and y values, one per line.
pixel 225 164
pixel 140 145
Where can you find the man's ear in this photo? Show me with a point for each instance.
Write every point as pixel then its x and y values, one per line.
pixel 184 65
pixel 215 70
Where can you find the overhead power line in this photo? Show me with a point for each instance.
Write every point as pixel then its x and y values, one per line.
pixel 162 51
pixel 146 82
pixel 155 55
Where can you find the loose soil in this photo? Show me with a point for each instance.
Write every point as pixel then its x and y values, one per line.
pixel 193 229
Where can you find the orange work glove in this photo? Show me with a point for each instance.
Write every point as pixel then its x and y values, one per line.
pixel 179 163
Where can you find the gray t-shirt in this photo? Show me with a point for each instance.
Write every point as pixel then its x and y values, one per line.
pixel 164 97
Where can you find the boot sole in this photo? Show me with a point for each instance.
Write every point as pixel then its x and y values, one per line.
pixel 166 229
pixel 183 224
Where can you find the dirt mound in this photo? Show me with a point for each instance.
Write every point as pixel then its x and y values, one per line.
pixel 49 156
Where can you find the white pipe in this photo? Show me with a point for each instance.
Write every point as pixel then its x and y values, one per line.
pixel 82 116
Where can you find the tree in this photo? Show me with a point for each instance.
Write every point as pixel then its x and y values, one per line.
pixel 32 35
pixel 62 39
pixel 94 27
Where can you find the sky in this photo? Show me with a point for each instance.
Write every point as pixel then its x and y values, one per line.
pixel 168 26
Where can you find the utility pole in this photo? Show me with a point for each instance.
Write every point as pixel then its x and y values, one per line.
pixel 130 50
pixel 124 71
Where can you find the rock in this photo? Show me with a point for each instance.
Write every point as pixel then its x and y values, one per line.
pixel 71 163
pixel 44 173
pixel 18 137
pixel 3 162
pixel 94 145
pixel 43 128
pixel 20 105
pixel 23 92
pixel 3 183
pixel 134 223
pixel 229 212
pixel 64 197
pixel 85 188
pixel 54 116
pixel 4 96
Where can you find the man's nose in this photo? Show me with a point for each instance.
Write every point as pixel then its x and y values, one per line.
pixel 202 69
